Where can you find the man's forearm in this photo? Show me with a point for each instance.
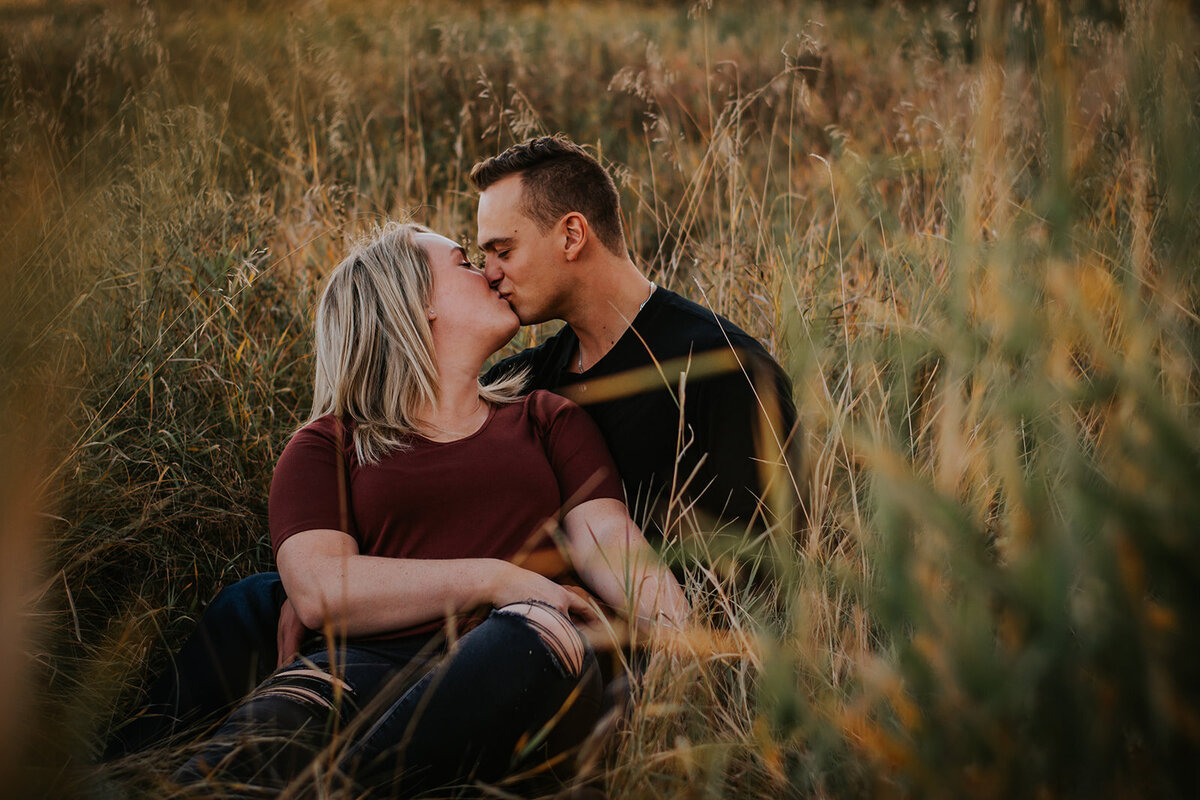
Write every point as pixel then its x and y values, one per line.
pixel 613 558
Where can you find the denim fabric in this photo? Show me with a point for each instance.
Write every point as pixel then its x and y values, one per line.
pixel 230 653
pixel 417 717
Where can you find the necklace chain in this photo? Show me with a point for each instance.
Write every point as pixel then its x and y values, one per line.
pixel 474 411
pixel 643 305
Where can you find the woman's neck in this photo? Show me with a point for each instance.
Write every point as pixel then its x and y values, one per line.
pixel 459 410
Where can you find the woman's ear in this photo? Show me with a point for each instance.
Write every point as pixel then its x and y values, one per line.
pixel 575 234
pixel 431 314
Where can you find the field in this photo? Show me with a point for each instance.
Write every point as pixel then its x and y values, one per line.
pixel 970 234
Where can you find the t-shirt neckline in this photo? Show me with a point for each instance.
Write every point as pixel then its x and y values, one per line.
pixel 492 408
pixel 646 310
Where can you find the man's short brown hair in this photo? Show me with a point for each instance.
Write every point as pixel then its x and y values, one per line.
pixel 558 177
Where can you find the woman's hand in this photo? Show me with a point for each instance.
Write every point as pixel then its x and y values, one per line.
pixel 512 584
pixel 289 634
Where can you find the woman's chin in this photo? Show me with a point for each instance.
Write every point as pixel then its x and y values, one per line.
pixel 504 335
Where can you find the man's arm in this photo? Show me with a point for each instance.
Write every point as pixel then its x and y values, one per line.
pixel 609 552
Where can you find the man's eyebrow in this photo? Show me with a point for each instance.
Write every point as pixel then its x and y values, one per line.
pixel 495 243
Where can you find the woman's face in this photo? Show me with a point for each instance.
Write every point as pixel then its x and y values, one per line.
pixel 463 304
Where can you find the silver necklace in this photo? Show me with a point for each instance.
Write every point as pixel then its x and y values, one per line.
pixel 643 305
pixel 460 434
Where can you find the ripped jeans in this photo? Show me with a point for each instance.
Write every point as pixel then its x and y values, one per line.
pixel 513 696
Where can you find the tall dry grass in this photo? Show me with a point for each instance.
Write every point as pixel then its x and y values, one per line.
pixel 971 238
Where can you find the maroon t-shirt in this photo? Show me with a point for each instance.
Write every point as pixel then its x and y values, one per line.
pixel 489 495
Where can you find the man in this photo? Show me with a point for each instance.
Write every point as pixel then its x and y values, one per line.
pixel 697 414
pixel 694 410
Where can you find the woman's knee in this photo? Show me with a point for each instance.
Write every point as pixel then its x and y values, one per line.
pixel 294 697
pixel 557 632
pixel 276 731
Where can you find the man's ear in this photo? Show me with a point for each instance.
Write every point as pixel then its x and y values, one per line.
pixel 575 234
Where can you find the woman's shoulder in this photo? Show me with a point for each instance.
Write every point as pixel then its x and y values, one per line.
pixel 327 429
pixel 544 404
pixel 553 415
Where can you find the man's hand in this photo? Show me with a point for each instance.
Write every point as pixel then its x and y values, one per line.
pixel 289 635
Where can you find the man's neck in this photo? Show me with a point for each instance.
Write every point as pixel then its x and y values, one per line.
pixel 605 306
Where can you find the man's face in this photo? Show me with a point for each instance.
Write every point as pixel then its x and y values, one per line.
pixel 521 263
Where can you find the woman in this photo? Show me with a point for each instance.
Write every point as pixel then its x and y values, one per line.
pixel 415 495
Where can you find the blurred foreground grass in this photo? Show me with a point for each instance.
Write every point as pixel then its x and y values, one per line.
pixel 971 237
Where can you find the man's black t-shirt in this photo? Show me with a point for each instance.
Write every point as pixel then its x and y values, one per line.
pixel 721 454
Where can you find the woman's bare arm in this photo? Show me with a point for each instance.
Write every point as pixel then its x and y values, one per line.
pixel 330 583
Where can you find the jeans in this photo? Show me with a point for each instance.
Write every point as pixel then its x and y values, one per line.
pixel 230 653
pixel 514 695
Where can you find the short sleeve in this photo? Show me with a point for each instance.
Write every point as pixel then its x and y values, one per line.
pixel 577 453
pixel 310 488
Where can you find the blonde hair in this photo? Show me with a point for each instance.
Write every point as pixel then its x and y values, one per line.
pixel 375 361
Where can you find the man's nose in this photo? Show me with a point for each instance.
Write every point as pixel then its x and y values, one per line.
pixel 492 272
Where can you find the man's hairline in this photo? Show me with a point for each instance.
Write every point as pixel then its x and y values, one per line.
pixel 522 209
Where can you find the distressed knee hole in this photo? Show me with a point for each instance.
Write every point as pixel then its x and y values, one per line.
pixel 300 695
pixel 306 686
pixel 555 630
